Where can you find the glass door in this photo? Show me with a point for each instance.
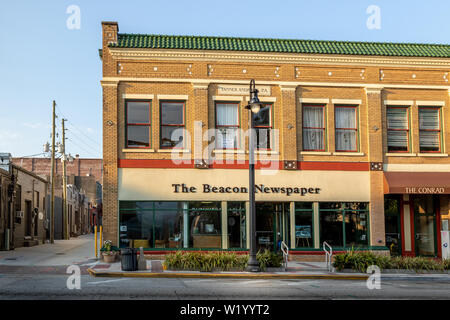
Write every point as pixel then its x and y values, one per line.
pixel 424 225
pixel 392 224
pixel 265 223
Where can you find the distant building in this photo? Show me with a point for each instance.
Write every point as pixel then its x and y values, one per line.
pixel 23 218
pixel 84 190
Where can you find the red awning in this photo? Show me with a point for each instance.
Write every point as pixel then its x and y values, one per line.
pixel 417 182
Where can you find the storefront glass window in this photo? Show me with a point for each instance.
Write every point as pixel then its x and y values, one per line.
pixel 344 224
pixel 151 224
pixel 205 225
pixel 304 225
pixel 237 237
pixel 445 212
pixel 168 225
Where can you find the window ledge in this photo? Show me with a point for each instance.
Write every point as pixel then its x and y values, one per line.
pixel 228 151
pixel 265 152
pixel 316 153
pixel 138 150
pixel 442 155
pixel 348 154
pixel 173 150
pixel 401 154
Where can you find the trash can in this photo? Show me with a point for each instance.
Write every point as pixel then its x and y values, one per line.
pixel 128 259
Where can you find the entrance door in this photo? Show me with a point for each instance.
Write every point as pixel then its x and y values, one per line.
pixel 392 224
pixel 29 218
pixel 424 225
pixel 272 225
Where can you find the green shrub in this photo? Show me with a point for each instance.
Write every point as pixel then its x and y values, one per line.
pixel 360 261
pixel 207 261
pixel 269 259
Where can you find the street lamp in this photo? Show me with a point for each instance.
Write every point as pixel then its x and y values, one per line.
pixel 254 106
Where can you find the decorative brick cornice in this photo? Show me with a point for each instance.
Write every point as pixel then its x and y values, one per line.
pixel 373 90
pixel 109 83
pixel 291 58
pixel 201 86
pixel 288 87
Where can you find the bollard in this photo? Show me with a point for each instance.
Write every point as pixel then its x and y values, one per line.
pixel 101 236
pixel 142 263
pixel 95 233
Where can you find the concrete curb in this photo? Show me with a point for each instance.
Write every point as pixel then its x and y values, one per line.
pixel 95 273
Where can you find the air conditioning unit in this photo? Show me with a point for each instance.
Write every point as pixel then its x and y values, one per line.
pixel 19 214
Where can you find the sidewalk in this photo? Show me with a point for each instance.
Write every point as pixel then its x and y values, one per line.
pixel 296 270
pixel 78 250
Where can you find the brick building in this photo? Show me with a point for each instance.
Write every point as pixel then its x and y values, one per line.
pixel 23 218
pixel 352 143
pixel 84 179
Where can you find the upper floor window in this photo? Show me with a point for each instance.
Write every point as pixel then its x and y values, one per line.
pixel 313 127
pixel 172 124
pixel 397 129
pixel 227 125
pixel 262 123
pixel 429 129
pixel 346 128
pixel 138 124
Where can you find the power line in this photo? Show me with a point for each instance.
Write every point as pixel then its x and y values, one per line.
pixel 82 147
pixel 88 144
pixel 72 125
pixel 32 155
pixel 76 128
pixel 91 146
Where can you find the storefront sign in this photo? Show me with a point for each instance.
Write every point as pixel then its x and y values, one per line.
pixel 259 188
pixel 141 184
pixel 426 190
pixel 242 90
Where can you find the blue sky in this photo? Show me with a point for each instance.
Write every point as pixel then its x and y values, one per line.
pixel 42 60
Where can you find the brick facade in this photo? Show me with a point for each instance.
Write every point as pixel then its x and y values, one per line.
pixel 368 80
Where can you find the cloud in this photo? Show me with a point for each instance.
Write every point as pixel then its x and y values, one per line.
pixel 36 125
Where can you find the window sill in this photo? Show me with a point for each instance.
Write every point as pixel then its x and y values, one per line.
pixel 316 153
pixel 173 151
pixel 137 150
pixel 264 152
pixel 439 155
pixel 401 154
pixel 348 154
pixel 228 151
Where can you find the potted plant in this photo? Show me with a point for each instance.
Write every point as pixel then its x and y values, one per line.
pixel 108 252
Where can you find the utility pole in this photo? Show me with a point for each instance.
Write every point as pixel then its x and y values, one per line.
pixel 63 151
pixel 52 199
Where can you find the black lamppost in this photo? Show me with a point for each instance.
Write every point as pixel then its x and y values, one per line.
pixel 254 106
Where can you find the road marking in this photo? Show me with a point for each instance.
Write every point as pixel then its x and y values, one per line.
pixel 106 281
pixel 301 283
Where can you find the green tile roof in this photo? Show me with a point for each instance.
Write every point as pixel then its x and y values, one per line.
pixel 281 45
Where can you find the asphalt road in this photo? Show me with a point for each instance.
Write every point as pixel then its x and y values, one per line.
pixel 54 287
